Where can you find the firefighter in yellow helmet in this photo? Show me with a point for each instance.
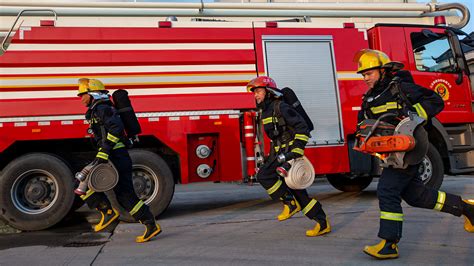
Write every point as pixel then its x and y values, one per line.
pixel 289 134
pixel 393 92
pixel 108 131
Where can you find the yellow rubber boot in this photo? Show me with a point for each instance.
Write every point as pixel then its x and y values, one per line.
pixel 319 230
pixel 151 230
pixel 289 209
pixel 468 222
pixel 107 218
pixel 383 250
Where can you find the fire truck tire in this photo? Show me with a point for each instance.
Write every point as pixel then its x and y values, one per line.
pixel 36 191
pixel 431 170
pixel 153 182
pixel 348 182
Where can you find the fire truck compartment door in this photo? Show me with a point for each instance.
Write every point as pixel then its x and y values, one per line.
pixel 307 65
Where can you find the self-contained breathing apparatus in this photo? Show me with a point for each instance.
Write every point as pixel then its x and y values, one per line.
pixel 121 103
pixel 289 97
pixel 297 172
pixel 129 119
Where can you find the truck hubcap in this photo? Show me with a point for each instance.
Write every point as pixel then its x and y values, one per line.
pixel 34 192
pixel 145 183
pixel 426 170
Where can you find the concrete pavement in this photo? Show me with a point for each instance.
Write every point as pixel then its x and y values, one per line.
pixel 216 224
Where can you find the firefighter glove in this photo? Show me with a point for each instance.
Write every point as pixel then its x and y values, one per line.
pixel 291 155
pixel 283 169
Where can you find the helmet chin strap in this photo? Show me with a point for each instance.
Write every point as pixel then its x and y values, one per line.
pixel 266 102
pixel 383 75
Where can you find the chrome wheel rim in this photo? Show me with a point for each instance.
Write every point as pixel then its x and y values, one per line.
pixel 34 192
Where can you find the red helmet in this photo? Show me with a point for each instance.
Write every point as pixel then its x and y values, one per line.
pixel 261 82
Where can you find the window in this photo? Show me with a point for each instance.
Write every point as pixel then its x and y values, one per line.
pixel 307 65
pixel 432 53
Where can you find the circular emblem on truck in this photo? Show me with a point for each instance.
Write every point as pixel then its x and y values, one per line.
pixel 443 91
pixel 441 87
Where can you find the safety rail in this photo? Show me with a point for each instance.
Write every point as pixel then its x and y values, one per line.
pixel 4 49
pixel 250 9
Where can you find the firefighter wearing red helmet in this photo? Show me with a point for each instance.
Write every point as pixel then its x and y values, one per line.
pixel 108 132
pixel 288 141
pixel 393 94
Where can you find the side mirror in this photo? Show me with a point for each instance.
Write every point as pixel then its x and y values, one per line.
pixel 469 42
pixel 459 32
pixel 459 78
pixel 456 49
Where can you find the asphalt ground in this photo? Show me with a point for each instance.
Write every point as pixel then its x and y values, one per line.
pixel 235 224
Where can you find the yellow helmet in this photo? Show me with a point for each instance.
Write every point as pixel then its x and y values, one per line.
pixel 88 85
pixel 369 59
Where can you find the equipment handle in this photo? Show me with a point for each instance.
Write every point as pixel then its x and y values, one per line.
pixel 18 17
pixel 374 126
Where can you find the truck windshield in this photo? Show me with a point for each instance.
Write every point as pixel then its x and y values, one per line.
pixel 432 53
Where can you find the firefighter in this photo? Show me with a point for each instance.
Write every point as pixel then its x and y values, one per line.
pixel 108 131
pixel 288 142
pixel 395 184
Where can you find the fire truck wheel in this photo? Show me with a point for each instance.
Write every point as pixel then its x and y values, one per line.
pixel 431 171
pixel 153 182
pixel 35 191
pixel 349 182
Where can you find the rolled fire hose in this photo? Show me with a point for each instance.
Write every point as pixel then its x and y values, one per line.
pixel 301 174
pixel 103 177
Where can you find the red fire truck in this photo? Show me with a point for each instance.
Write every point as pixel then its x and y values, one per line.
pixel 187 84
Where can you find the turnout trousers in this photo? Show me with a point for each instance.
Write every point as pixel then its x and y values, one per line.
pixel 278 190
pixel 124 190
pixel 397 184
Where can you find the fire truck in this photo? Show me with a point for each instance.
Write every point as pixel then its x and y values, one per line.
pixel 187 82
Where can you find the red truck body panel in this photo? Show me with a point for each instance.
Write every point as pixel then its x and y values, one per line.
pixel 187 85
